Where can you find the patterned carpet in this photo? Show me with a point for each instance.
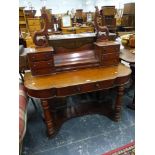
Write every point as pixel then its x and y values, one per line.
pixel 128 149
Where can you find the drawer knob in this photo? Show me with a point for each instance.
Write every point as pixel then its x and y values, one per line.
pixel 33 57
pixel 104 49
pixel 97 85
pixel 78 89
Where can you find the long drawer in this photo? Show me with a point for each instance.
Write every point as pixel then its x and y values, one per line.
pixel 71 90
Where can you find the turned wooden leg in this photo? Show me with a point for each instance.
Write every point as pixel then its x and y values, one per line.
pixel 48 117
pixel 118 103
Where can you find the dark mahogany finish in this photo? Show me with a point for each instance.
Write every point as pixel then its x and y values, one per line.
pixel 48 61
pixel 80 67
pixel 63 84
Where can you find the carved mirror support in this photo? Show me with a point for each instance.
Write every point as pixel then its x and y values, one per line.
pixel 100 29
pixel 40 38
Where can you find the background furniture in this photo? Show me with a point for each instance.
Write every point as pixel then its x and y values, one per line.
pixel 128 18
pixel 34 24
pixel 127 55
pixel 108 17
pixel 22 21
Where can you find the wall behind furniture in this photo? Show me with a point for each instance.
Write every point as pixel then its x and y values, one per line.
pixel 61 6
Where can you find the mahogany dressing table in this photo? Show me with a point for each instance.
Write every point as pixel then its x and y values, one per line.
pixel 76 82
pixel 57 72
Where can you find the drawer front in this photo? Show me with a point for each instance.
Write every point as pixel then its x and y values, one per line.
pixel 107 49
pixel 110 62
pixel 40 56
pixel 33 22
pixel 106 84
pixel 84 88
pixel 66 91
pixel 41 64
pixel 110 49
pixel 114 55
pixel 45 71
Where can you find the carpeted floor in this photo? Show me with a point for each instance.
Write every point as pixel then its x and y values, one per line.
pixel 128 149
pixel 87 135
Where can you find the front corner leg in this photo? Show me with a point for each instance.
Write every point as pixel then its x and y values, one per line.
pixel 118 103
pixel 49 120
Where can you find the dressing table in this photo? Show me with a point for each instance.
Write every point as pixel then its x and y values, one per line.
pixel 61 71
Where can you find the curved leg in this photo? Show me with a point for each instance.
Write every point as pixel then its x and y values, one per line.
pixel 49 120
pixel 118 103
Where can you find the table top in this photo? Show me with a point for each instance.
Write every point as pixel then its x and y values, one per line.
pixel 83 76
pixel 127 54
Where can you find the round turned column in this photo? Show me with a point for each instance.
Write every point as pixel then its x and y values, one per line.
pixel 49 120
pixel 118 103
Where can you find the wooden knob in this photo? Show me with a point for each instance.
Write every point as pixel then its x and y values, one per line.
pixel 78 89
pixel 97 85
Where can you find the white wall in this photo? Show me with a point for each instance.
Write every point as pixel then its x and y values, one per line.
pixel 61 6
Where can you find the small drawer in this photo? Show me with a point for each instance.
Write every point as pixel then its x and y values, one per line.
pixel 111 49
pixel 40 56
pixel 88 87
pixel 40 72
pixel 110 62
pixel 108 56
pixel 41 64
pixel 107 49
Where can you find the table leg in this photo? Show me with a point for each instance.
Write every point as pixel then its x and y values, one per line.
pixel 49 120
pixel 118 103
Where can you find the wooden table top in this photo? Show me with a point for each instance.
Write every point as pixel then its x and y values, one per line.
pixel 127 54
pixel 83 76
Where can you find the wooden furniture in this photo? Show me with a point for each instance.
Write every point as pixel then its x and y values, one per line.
pixel 49 16
pixel 58 72
pixel 128 18
pixel 85 29
pixel 128 55
pixel 29 42
pixel 68 30
pixel 29 13
pixel 77 30
pixel 47 60
pixel 22 21
pixel 79 16
pixel 108 17
pixel 76 82
pixel 34 24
